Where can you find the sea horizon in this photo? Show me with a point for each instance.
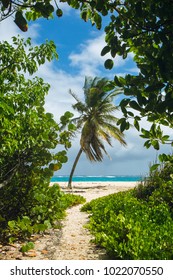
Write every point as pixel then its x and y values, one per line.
pixel 99 178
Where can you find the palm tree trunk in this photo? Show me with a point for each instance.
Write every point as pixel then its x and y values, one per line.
pixel 73 168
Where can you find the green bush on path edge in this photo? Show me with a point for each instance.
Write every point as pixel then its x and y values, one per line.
pixel 136 224
pixel 44 209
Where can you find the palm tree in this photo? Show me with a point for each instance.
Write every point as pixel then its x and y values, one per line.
pixel 96 120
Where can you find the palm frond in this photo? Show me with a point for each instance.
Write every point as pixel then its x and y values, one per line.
pixel 97 117
pixel 93 147
pixel 105 136
pixel 74 96
pixel 114 132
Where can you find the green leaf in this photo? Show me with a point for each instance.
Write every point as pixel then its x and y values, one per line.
pixel 68 114
pixel 71 126
pixel 136 124
pixel 165 138
pixel 109 64
pixel 11 224
pixel 147 144
pixel 84 15
pixel 155 144
pixel 59 12
pixel 105 50
pixel 154 167
pixel 28 246
pixel 117 82
pixel 123 125
pixel 21 21
pixel 163 157
pixel 98 20
pixel 133 104
pixel 145 133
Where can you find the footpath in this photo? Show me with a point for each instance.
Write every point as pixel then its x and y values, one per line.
pixel 72 241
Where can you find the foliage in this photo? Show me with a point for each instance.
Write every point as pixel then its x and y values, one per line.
pixel 158 184
pixel 96 120
pixel 28 137
pixel 27 131
pixel 141 28
pixel 26 247
pixel 144 29
pixel 28 10
pixel 136 224
pixel 131 229
pixel 43 209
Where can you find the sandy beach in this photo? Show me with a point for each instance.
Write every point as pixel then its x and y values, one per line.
pixel 92 190
pixel 86 185
pixel 92 185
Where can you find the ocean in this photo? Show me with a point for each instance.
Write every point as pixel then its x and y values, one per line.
pixel 110 178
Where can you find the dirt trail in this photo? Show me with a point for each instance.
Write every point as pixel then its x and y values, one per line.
pixel 73 241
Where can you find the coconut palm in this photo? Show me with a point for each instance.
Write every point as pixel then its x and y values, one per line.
pixel 96 120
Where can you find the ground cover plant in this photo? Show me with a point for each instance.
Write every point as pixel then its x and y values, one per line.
pixel 43 209
pixel 136 224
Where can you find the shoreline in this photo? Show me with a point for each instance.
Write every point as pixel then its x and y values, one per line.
pixel 93 185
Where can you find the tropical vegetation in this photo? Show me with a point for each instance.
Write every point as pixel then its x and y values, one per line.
pixel 136 224
pixel 97 120
pixel 28 138
pixel 130 225
pixel 141 28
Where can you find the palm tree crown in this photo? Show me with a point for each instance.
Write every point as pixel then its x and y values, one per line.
pixel 96 121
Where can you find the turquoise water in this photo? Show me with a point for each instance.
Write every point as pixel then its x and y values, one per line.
pixel 97 178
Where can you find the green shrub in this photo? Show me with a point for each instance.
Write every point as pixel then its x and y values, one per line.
pixel 157 180
pixel 29 137
pixel 131 229
pixel 44 208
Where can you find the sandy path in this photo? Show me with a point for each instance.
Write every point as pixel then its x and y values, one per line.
pixel 73 241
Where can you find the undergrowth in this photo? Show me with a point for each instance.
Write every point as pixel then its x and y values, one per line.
pixel 136 224
pixel 41 209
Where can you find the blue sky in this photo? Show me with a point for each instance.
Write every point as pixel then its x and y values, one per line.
pixel 79 46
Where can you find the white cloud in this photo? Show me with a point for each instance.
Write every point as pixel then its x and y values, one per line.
pixel 88 58
pixel 13 30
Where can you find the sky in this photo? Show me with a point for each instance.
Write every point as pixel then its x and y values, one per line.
pixel 79 45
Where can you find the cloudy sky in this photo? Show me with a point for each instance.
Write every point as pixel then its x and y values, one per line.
pixel 79 46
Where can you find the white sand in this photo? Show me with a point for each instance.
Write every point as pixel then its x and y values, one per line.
pixel 89 185
pixel 92 190
pixel 75 242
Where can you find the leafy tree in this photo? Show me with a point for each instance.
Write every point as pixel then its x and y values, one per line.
pixel 27 132
pixel 96 121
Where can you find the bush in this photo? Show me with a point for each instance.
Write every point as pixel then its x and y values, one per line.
pixel 43 209
pixel 137 224
pixel 157 180
pixel 130 229
pixel 28 138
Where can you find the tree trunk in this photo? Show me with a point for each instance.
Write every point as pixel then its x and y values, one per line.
pixel 73 168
